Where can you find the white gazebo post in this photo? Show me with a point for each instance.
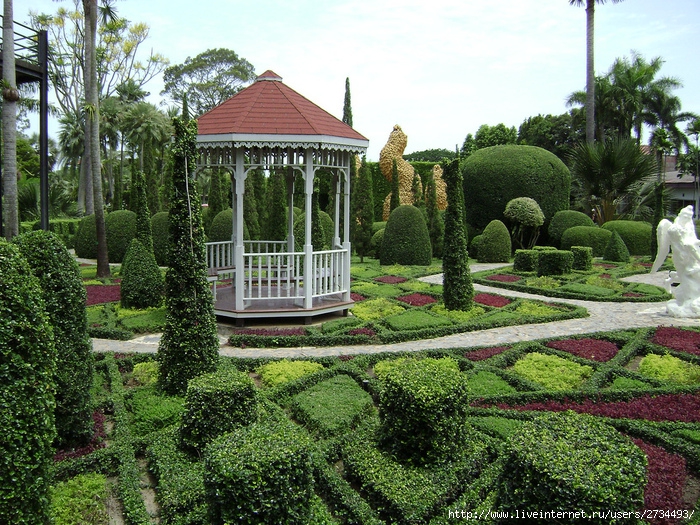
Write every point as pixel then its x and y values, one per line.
pixel 290 209
pixel 239 250
pixel 308 247
pixel 347 171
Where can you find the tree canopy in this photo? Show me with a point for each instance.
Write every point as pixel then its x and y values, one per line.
pixel 208 79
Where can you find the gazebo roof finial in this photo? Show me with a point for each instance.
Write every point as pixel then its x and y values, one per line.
pixel 269 75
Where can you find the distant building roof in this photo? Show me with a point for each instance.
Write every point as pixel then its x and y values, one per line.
pixel 269 110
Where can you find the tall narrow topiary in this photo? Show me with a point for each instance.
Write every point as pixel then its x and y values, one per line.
pixel 142 281
pixel 143 214
pixel 436 224
pixel 364 211
pixel 27 371
pixel 458 289
pixel 64 297
pixel 276 225
pixel 395 200
pixel 250 209
pixel 317 233
pixel 190 345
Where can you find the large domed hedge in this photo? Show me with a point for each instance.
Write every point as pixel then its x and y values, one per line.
pixel 635 234
pixel 494 176
pixel 565 219
pixel 406 238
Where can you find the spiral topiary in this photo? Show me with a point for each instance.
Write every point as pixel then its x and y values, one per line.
pixel 120 226
pixel 406 238
pixel 495 245
pixel 64 296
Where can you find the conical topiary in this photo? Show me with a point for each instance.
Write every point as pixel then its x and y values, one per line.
pixel 142 281
pixel 616 250
pixel 406 238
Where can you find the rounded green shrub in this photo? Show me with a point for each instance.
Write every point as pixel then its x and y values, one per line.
pixel 222 227
pixel 160 229
pixel 495 244
pixel 564 461
pixel 593 236
pixel 85 241
pixel 120 226
pixel 616 250
pixel 300 225
pixel 635 234
pixel 27 372
pixel 565 219
pixel 493 176
pixel 64 296
pixel 375 244
pixel 525 218
pixel 406 238
pixel 142 282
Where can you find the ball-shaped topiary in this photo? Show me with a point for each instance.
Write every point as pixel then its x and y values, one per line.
pixel 120 226
pixel 616 250
pixel 495 245
pixel 300 226
pixel 64 296
pixel 593 236
pixel 222 227
pixel 161 237
pixel 406 238
pixel 85 241
pixel 565 219
pixel 635 234
pixel 495 175
pixel 27 372
pixel 142 281
pixel 375 244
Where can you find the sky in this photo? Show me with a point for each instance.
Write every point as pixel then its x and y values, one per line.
pixel 438 69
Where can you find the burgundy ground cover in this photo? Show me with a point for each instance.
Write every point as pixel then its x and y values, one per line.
pixel 665 481
pixel 357 297
pixel 667 407
pixel 417 299
pixel 677 339
pixel 491 300
pixel 102 293
pixel 588 348
pixel 96 442
pixel 275 332
pixel 390 279
pixel 485 353
pixel 362 331
pixel 504 278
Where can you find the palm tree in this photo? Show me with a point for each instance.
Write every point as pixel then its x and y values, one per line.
pixel 607 172
pixel 663 111
pixel 590 70
pixel 10 95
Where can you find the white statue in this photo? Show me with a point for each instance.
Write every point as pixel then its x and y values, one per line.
pixel 680 237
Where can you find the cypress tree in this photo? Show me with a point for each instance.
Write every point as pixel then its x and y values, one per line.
pixel 364 211
pixel 260 188
pixel 347 108
pixel 418 200
pixel 436 225
pixel 317 233
pixel 27 372
pixel 276 226
pixel 250 208
pixel 143 216
pixel 458 290
pixel 189 346
pixel 395 201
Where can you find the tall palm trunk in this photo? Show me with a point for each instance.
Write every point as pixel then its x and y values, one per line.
pixel 590 72
pixel 9 125
pixel 92 117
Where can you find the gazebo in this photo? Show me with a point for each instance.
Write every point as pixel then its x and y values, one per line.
pixel 270 126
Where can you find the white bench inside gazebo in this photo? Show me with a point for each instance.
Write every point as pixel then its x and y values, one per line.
pixel 269 126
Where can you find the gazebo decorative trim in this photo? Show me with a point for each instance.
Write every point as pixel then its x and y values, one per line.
pixel 272 127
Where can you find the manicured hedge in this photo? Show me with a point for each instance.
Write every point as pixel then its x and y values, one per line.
pixel 495 243
pixel 161 237
pixel 616 249
pixel 262 473
pixel 142 281
pixel 583 258
pixel 406 238
pixel 565 219
pixel 635 234
pixel 493 176
pixel 593 236
pixel 120 228
pixel 86 238
pixel 525 260
pixel 217 403
pixel 27 375
pixel 422 409
pixel 567 462
pixel 555 262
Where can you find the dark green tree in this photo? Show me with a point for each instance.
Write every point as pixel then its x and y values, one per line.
pixel 395 201
pixel 217 201
pixel 317 234
pixel 190 345
pixel 347 106
pixel 27 374
pixel 276 225
pixel 458 290
pixel 250 209
pixel 418 200
pixel 364 211
pixel 487 136
pixel 143 215
pixel 436 224
pixel 64 297
pixel 260 187
pixel 208 79
pixel 430 155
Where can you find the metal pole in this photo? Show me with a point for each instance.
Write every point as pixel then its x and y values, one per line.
pixel 44 129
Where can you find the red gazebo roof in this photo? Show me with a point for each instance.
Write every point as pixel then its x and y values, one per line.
pixel 269 107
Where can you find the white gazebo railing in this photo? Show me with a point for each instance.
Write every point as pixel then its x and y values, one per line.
pixel 327 272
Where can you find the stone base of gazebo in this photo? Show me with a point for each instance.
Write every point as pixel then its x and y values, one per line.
pixel 287 308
